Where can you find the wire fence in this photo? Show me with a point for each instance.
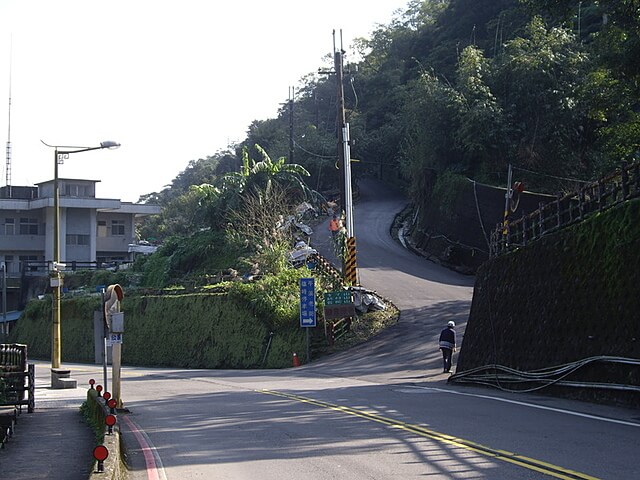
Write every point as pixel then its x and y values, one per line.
pixel 567 210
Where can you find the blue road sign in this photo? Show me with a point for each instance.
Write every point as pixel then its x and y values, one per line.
pixel 307 302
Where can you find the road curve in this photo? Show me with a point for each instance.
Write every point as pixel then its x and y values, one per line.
pixel 428 295
pixel 382 410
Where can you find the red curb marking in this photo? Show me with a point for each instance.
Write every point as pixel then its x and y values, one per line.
pixel 147 450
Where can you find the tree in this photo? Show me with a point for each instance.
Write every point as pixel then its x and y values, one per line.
pixel 537 80
pixel 482 124
pixel 258 177
pixel 258 223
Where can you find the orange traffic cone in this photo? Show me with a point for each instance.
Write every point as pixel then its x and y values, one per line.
pixel 296 360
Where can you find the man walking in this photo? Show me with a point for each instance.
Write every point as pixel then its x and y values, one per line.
pixel 448 345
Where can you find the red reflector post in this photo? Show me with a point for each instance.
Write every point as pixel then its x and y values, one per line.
pixel 100 453
pixel 110 421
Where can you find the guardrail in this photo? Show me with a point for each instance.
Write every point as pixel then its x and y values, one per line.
pixel 567 210
pixel 338 329
pixel 18 377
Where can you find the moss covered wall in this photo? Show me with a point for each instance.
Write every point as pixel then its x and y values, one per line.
pixel 569 296
pixel 192 330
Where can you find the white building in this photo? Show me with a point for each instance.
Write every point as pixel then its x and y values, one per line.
pixel 93 231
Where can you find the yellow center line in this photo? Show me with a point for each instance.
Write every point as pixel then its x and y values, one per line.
pixel 506 456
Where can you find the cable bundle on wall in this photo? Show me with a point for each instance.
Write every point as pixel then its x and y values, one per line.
pixel 512 380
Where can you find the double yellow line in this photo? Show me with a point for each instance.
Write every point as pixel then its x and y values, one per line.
pixel 520 460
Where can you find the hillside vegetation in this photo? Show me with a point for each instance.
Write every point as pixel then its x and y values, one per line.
pixel 449 87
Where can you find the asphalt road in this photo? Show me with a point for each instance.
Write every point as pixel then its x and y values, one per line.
pixel 380 411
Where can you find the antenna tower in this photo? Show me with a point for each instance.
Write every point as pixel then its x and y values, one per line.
pixel 8 165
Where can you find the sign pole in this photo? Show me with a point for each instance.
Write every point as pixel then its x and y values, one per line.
pixel 115 321
pixel 105 332
pixel 307 308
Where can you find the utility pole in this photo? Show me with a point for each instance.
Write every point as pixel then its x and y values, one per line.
pixel 507 199
pixel 291 98
pixel 340 119
pixel 349 270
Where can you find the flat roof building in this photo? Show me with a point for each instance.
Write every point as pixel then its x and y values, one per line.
pixel 92 230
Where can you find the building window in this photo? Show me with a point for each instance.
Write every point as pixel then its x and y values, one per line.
pixel 8 262
pixel 26 263
pixel 9 226
pixel 117 228
pixel 72 190
pixel 28 226
pixel 102 228
pixel 76 239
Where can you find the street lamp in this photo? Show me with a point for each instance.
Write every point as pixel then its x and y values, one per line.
pixel 60 154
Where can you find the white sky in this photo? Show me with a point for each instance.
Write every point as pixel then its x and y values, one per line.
pixel 172 81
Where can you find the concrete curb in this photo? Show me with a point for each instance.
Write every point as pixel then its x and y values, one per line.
pixel 113 466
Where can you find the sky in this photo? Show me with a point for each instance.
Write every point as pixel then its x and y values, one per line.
pixel 171 81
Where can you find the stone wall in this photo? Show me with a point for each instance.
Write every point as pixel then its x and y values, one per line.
pixel 569 296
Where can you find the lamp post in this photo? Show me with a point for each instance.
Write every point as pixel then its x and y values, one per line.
pixel 60 154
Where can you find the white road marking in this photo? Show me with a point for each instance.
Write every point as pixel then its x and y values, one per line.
pixel 531 405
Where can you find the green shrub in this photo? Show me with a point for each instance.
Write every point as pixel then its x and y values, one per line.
pixel 448 188
pixel 224 326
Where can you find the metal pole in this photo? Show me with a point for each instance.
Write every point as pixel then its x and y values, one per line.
pixel 341 120
pixel 507 197
pixel 104 344
pixel 4 299
pixel 308 346
pixel 56 279
pixel 4 291
pixel 348 195
pixel 291 124
pixel 116 355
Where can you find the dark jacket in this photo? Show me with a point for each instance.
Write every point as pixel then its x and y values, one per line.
pixel 448 338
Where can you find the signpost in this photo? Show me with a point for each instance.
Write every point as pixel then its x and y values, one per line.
pixel 338 305
pixel 307 302
pixel 308 307
pixel 115 322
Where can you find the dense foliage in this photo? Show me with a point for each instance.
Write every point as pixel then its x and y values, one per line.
pixel 454 86
pixel 235 325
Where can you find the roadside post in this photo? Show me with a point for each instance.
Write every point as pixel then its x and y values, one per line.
pixel 105 336
pixel 115 321
pixel 308 308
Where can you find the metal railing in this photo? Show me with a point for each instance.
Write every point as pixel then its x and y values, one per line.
pixel 567 210
pixel 34 268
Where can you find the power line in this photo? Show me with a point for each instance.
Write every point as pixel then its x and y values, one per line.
pixel 311 153
pixel 551 176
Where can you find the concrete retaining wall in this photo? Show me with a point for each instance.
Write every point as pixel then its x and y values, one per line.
pixel 566 297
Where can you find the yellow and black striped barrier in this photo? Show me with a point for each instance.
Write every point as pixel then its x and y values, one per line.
pixel 327 268
pixel 350 268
